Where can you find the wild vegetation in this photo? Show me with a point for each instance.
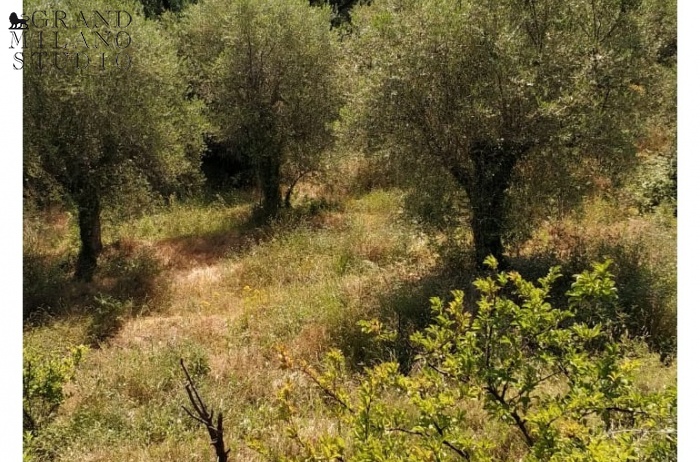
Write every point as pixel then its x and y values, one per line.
pixel 404 230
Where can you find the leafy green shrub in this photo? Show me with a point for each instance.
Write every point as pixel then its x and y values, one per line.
pixel 107 317
pixel 564 387
pixel 656 184
pixel 647 293
pixel 644 259
pixel 44 379
pixel 594 299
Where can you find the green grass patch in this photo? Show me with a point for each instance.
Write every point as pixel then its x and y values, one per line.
pixel 197 280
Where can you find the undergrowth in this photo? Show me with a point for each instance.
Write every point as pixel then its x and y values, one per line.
pixel 202 281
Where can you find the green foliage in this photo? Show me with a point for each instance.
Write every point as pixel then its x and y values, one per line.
pixel 131 278
pixel 69 114
pixel 483 93
pixel 107 317
pixel 341 9
pixel 268 81
pixel 43 283
pixel 529 365
pixel 131 402
pixel 648 294
pixel 155 8
pixel 644 254
pixel 72 139
pixel 594 296
pixel 44 379
pixel 656 184
pixel 137 277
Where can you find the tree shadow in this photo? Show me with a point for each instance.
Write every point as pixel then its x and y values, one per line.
pixel 134 278
pixel 238 236
pixel 646 289
pixel 130 281
pixel 405 308
pixel 186 252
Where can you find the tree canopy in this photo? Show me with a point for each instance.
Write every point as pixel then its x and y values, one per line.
pixel 103 135
pixel 478 89
pixel 266 70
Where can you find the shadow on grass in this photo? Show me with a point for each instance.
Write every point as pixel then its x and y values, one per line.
pixel 646 289
pixel 238 236
pixel 646 300
pixel 403 307
pixel 134 278
pixel 186 252
pixel 130 281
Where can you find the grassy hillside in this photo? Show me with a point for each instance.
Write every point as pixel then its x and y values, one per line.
pixel 225 294
pixel 199 281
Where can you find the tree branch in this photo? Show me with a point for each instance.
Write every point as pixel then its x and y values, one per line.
pixel 205 417
pixel 461 452
pixel 331 394
pixel 519 421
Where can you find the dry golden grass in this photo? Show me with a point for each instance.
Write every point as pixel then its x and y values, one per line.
pixel 235 293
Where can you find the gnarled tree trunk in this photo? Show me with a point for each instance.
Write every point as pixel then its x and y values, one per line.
pixel 486 183
pixel 270 177
pixel 90 235
pixel 268 154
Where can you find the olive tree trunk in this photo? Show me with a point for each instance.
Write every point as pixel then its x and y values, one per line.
pixel 90 236
pixel 270 176
pixel 486 184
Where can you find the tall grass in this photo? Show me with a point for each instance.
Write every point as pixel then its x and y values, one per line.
pixel 228 294
pixel 643 249
pixel 233 295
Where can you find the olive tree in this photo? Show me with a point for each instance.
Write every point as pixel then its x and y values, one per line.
pixel 472 90
pixel 100 133
pixel 266 70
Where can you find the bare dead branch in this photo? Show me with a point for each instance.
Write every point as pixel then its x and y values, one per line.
pixel 206 417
